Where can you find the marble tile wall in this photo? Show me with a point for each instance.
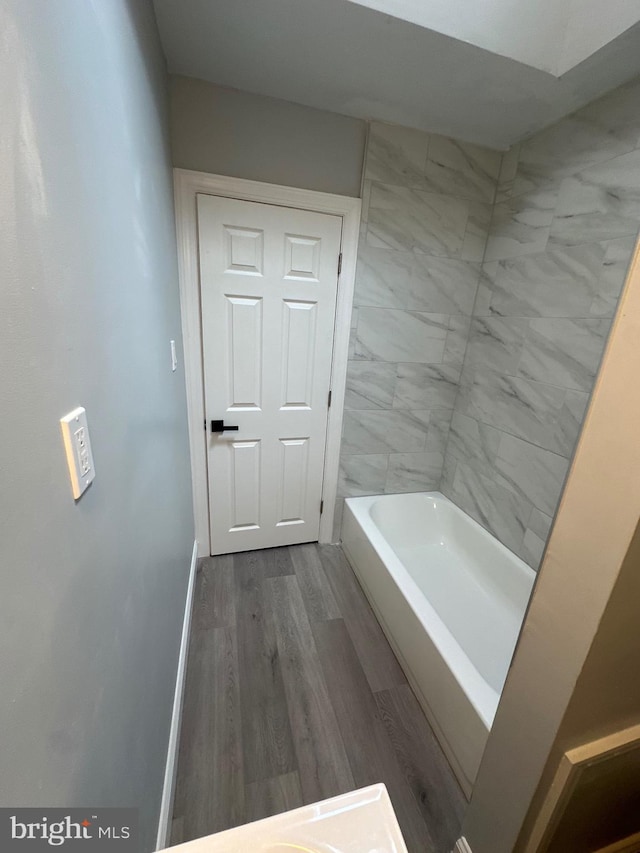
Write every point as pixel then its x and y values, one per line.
pixel 563 228
pixel 427 204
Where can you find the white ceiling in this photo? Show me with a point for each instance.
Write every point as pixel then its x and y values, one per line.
pixel 550 35
pixel 591 25
pixel 529 32
pixel 343 56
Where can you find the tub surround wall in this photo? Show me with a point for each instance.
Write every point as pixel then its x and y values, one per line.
pixel 426 212
pixel 564 225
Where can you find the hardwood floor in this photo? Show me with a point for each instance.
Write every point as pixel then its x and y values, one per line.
pixel 294 695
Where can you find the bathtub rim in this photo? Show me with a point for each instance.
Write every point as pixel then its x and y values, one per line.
pixel 482 696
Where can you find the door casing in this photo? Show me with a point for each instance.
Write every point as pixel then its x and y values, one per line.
pixel 187 184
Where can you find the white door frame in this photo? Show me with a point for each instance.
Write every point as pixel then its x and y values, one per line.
pixel 187 184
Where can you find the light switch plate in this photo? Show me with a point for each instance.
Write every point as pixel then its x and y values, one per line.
pixel 174 356
pixel 75 432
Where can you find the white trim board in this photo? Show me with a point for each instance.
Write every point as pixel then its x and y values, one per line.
pixel 171 767
pixel 187 184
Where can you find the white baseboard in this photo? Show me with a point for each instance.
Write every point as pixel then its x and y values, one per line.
pixel 168 790
pixel 462 846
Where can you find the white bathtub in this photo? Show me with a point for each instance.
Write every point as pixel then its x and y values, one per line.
pixel 450 599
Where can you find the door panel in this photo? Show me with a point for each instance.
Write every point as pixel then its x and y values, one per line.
pixel 244 359
pixel 268 278
pixel 244 483
pixel 298 351
pixel 293 465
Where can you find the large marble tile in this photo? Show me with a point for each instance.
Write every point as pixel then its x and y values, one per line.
pixel 396 155
pixel 389 335
pixel 531 472
pixel 370 385
pixel 413 472
pixel 422 416
pixel 424 386
pixel 501 511
pixel 520 226
pixel 353 334
pixel 528 180
pixel 484 294
pixel 571 419
pixel 456 344
pixel 411 220
pixel 362 474
pixel 473 442
pixel 438 429
pixel 461 169
pixel 378 432
pixel 578 142
pixel 477 231
pixel 507 173
pixel 383 277
pixel 496 342
pixel 448 476
pixel 532 549
pixel 600 131
pixel 561 282
pixel 599 203
pixel 442 285
pixel 618 113
pixel 539 413
pixel 614 273
pixel 564 352
pixel 364 215
pixel 535 537
pixel 540 523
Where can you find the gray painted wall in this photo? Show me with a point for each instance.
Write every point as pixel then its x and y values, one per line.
pixel 563 229
pixel 426 211
pixel 227 132
pixel 92 593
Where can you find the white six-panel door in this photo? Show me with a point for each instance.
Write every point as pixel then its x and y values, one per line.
pixel 268 278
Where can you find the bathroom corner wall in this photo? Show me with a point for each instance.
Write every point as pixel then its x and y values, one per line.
pixel 564 225
pixel 426 211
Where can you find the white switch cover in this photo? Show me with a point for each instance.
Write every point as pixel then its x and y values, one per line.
pixel 174 357
pixel 75 432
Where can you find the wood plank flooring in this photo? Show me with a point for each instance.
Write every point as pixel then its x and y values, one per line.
pixel 294 695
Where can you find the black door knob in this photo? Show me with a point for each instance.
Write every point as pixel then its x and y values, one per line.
pixel 220 426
